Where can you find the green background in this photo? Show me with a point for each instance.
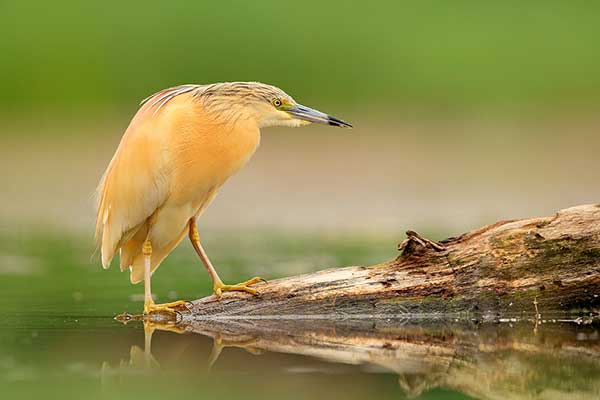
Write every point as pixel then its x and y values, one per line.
pixel 366 54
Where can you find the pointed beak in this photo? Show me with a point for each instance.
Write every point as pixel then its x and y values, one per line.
pixel 308 114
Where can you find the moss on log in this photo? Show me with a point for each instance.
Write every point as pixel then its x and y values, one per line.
pixel 547 265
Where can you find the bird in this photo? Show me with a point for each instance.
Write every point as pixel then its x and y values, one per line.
pixel 181 146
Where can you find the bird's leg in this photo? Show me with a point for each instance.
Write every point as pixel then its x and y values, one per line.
pixel 149 305
pixel 147 252
pixel 218 286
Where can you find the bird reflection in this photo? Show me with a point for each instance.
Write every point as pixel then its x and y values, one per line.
pixel 140 360
pixel 219 344
pixel 486 361
pixel 143 359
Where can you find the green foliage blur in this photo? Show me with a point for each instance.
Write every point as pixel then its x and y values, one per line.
pixel 364 54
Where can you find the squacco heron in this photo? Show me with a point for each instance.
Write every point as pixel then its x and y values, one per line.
pixel 179 149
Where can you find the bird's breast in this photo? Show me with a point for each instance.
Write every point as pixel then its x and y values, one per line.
pixel 206 156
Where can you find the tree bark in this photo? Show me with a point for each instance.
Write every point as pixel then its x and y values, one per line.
pixel 530 266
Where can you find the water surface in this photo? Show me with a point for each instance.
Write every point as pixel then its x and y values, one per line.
pixel 59 339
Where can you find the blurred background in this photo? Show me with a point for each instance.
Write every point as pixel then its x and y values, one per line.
pixel 465 112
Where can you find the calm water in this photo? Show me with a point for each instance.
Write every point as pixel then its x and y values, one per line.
pixel 58 337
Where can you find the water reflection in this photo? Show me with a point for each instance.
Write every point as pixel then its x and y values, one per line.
pixel 517 360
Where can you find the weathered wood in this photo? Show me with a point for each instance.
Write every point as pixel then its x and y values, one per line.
pixel 498 270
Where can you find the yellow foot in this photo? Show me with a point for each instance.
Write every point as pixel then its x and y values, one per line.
pixel 165 307
pixel 220 287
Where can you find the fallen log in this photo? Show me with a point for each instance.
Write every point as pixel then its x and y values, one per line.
pixel 529 266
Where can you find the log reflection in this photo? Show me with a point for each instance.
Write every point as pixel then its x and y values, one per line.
pixel 490 361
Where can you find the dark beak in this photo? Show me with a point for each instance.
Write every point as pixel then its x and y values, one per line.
pixel 308 114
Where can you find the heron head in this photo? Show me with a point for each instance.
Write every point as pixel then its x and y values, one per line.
pixel 280 109
pixel 271 106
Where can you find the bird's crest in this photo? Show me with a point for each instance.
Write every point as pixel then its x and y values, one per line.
pixel 214 92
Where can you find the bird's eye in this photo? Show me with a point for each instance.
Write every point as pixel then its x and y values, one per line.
pixel 276 102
